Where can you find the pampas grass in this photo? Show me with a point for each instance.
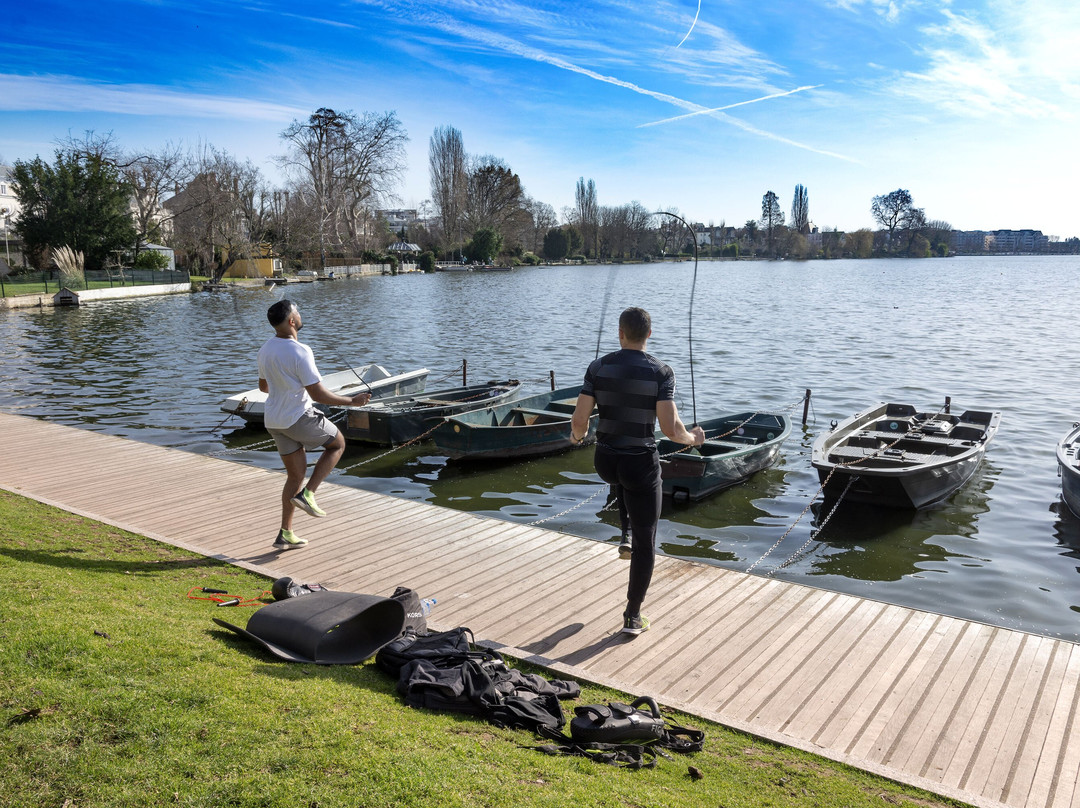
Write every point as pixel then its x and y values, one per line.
pixel 70 264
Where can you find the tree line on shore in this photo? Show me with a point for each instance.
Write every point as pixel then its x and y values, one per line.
pixel 340 172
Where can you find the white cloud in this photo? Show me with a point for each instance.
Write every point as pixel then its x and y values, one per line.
pixel 1014 59
pixel 68 94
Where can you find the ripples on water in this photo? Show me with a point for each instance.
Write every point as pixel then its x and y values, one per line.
pixel 990 333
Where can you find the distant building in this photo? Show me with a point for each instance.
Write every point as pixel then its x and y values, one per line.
pixel 398 218
pixel 1020 241
pixel 971 241
pixel 1001 241
pixel 9 203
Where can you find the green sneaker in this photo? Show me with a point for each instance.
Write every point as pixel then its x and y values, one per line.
pixel 305 500
pixel 635 625
pixel 287 540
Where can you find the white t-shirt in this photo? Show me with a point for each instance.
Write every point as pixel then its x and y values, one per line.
pixel 288 367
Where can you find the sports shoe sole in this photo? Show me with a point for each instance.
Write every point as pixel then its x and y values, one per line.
pixel 633 632
pixel 303 505
pixel 284 545
pixel 625 551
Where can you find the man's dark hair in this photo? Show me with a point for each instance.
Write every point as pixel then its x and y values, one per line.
pixel 635 324
pixel 280 311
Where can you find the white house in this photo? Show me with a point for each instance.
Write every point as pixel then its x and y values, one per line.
pixel 9 205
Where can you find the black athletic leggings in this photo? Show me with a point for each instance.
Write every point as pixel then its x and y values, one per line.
pixel 637 472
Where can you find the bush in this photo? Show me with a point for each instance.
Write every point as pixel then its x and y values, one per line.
pixel 151 259
pixel 530 259
pixel 426 261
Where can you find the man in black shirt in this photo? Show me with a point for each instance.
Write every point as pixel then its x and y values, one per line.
pixel 633 391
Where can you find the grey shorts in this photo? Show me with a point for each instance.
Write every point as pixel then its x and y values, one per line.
pixel 312 430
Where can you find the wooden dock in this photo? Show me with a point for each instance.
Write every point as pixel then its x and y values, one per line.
pixel 970 711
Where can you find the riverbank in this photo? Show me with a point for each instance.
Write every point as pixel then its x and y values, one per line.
pixel 69 297
pixel 914 696
pixel 119 691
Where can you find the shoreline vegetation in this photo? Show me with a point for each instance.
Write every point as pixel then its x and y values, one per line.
pixel 32 283
pixel 120 691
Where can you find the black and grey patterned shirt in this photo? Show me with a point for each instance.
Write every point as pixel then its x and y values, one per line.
pixel 626 385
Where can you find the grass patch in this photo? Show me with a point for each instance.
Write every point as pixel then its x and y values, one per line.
pixel 120 691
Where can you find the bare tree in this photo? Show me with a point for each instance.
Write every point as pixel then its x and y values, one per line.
pixel 346 165
pixel 669 232
pixel 587 214
pixel 542 219
pixel 154 177
pixel 447 165
pixel 890 211
pixel 495 194
pixel 209 220
pixel 800 211
pixel 638 220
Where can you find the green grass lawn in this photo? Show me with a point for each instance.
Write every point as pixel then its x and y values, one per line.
pixel 119 690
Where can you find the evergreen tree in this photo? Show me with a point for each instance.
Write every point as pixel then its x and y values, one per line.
pixel 81 201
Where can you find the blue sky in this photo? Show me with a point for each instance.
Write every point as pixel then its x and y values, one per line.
pixel 971 105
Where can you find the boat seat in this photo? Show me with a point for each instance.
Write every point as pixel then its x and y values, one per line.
pixel 889 437
pixel 561 416
pixel 726 445
pixel 742 440
pixel 566 405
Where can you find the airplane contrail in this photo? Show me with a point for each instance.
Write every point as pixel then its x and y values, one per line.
pixel 698 14
pixel 456 27
pixel 729 106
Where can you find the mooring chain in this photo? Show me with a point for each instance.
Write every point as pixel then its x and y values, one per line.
pixel 392 449
pixel 573 508
pixel 816 532
pixel 821 488
pixel 251 447
pixel 453 372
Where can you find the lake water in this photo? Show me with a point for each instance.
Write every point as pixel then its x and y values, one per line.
pixel 992 333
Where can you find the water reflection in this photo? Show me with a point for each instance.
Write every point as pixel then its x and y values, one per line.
pixel 869 543
pixel 1067 529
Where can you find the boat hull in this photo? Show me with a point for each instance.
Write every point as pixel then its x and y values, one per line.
pixel 527 427
pixel 736 447
pixel 1068 456
pixel 401 419
pixel 893 456
pixel 251 404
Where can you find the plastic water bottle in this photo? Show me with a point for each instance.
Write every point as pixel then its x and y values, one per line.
pixel 426 605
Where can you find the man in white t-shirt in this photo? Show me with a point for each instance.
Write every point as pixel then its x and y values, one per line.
pixel 287 373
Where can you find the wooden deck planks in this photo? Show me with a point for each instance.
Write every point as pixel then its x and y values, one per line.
pixel 972 711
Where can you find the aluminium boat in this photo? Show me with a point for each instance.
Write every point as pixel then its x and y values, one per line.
pixel 897 456
pixel 1068 457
